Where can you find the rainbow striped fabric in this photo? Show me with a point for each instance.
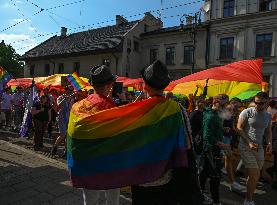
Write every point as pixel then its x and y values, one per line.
pixel 5 77
pixel 76 81
pixel 127 145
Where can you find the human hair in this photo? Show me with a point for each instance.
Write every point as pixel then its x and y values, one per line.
pixel 262 95
pixel 272 103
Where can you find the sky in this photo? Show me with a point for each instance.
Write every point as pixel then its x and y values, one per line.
pixel 22 22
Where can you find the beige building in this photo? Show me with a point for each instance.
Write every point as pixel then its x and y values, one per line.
pixel 244 29
pixel 118 46
pixel 126 47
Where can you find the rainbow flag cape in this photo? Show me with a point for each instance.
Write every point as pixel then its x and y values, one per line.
pixel 76 81
pixel 127 145
pixel 5 77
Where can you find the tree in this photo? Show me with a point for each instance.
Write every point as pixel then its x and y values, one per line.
pixel 9 60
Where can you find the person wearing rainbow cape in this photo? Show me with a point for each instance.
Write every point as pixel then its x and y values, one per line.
pixel 144 144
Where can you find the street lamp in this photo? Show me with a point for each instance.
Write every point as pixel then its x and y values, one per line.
pixel 192 21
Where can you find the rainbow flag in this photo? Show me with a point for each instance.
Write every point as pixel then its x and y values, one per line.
pixel 76 81
pixel 5 77
pixel 127 145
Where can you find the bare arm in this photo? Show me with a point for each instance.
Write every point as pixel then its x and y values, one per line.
pixel 240 126
pixel 268 137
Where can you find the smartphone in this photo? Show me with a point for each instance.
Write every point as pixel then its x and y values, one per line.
pixel 117 88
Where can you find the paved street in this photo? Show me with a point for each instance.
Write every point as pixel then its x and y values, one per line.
pixel 30 178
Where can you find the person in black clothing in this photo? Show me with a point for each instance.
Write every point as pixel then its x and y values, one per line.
pixel 41 113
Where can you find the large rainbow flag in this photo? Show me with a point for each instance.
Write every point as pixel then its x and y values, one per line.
pixel 127 145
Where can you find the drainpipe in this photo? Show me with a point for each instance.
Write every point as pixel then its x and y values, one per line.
pixel 207 55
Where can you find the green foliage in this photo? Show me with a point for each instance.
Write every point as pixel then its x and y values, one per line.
pixel 9 60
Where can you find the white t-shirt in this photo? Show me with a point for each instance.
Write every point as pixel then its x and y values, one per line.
pixel 6 103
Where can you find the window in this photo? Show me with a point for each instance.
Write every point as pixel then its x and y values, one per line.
pixel 136 46
pixel 188 55
pixel 32 70
pixel 170 56
pixel 153 55
pixel 228 8
pixel 106 62
pixel 265 5
pixel 226 48
pixel 47 69
pixel 263 45
pixel 76 67
pixel 61 68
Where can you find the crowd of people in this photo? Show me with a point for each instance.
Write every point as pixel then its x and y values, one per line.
pixel 221 129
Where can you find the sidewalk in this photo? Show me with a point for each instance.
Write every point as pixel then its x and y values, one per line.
pixel 32 179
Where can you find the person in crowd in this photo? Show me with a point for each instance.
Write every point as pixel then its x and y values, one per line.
pixel 50 100
pixel 177 186
pixel 196 121
pixel 212 141
pixel 18 106
pixel 6 107
pixel 228 133
pixel 41 115
pixel 253 124
pixel 102 81
pixel 65 102
pixel 272 110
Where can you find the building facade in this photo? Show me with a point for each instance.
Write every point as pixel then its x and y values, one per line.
pixel 126 48
pixel 244 29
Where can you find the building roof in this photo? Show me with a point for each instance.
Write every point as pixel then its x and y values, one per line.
pixel 171 29
pixel 99 40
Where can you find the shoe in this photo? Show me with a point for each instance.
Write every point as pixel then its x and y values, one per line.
pixel 36 148
pixel 248 203
pixel 207 200
pixel 236 187
pixel 54 150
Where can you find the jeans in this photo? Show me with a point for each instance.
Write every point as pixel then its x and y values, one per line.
pixel 91 197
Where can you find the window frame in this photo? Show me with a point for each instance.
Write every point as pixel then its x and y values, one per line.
pixel 172 62
pixel 61 68
pixel 151 59
pixel 263 35
pixel 191 50
pixel 228 8
pixel 226 52
pixel 268 5
pixel 47 69
pixel 76 68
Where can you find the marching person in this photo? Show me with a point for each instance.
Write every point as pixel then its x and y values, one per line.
pixel 64 102
pixel 41 113
pixel 177 186
pixel 212 141
pixel 254 123
pixel 102 81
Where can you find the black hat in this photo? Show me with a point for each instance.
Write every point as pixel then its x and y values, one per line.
pixel 156 75
pixel 101 75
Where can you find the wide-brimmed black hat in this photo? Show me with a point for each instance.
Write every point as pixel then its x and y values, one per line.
pixel 100 75
pixel 156 75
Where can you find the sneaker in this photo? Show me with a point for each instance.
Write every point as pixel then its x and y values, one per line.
pixel 236 187
pixel 207 200
pixel 248 203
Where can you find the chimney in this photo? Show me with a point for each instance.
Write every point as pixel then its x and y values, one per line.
pixel 63 32
pixel 120 20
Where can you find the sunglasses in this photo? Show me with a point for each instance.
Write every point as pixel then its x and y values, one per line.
pixel 259 103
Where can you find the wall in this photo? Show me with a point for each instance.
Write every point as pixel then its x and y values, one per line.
pixel 86 63
pixel 177 39
pixel 244 29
